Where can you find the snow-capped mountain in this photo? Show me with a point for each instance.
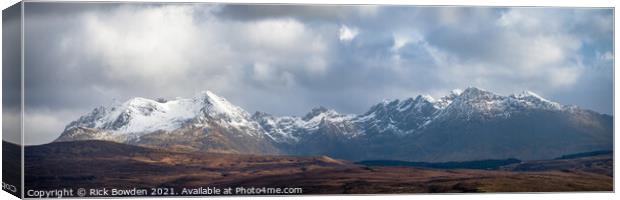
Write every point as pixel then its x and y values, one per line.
pixel 474 102
pixel 398 116
pixel 144 121
pixel 290 129
pixel 140 115
pixel 413 114
pixel 463 125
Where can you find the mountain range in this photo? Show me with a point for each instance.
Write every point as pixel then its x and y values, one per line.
pixel 470 124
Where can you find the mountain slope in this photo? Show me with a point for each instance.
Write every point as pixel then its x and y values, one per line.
pixel 205 122
pixel 470 124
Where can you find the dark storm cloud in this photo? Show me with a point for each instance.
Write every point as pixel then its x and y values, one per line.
pixel 330 13
pixel 65 9
pixel 11 74
pixel 287 59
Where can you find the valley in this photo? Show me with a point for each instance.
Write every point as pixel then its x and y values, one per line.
pixel 94 164
pixel 470 140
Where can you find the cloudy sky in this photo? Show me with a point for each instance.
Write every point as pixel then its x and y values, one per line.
pixel 286 60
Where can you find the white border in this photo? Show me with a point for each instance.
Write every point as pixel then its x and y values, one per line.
pixel 546 196
pixel 563 3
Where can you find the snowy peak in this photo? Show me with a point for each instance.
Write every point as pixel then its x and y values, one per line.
pixel 427 98
pixel 322 115
pixel 413 114
pixel 416 104
pixel 407 103
pixel 261 115
pixel 212 104
pixel 481 99
pixel 218 110
pixel 317 112
pixel 456 92
pixel 280 129
pixel 141 115
pixel 444 101
pixel 474 98
pixel 527 93
pixel 532 99
pixel 137 115
pixel 473 93
pixel 398 116
pixel 413 128
pixel 475 102
pixel 290 129
pixel 423 102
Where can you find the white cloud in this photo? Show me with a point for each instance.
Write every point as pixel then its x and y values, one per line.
pixel 11 128
pixel 142 44
pixel 276 34
pixel 524 48
pixel 297 55
pixel 346 34
pixel 564 77
pixel 170 45
pixel 607 56
pixel 262 71
pixel 399 41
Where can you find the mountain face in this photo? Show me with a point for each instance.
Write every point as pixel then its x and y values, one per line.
pixel 206 122
pixel 470 124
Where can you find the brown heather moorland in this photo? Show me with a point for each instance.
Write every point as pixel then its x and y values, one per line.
pixel 95 164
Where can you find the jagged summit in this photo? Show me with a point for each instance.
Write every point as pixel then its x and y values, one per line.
pixel 204 122
pixel 217 102
pixel 138 115
pixel 527 93
pixel 317 112
pixel 209 122
pixel 468 89
pixel 536 100
pixel 141 115
pixel 456 92
pixel 425 97
pixel 470 100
